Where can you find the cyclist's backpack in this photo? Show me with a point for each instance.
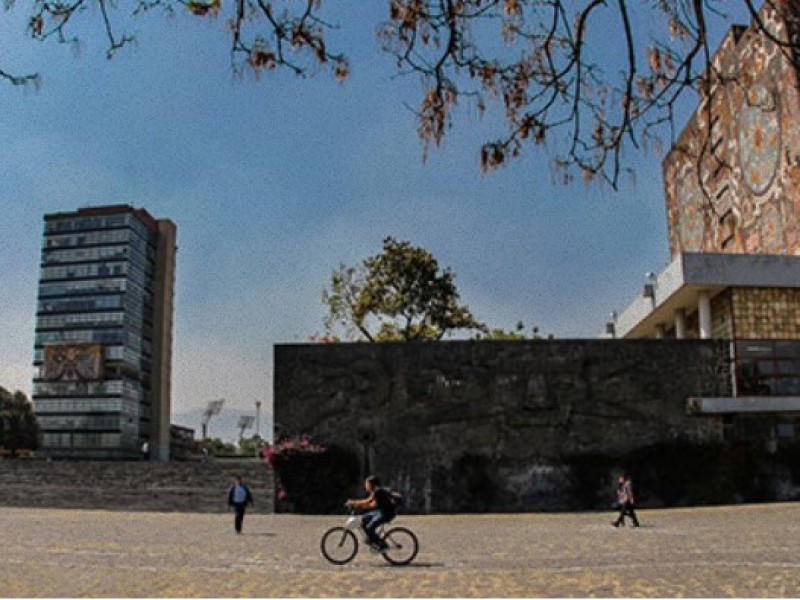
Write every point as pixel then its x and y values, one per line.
pixel 390 502
pixel 396 498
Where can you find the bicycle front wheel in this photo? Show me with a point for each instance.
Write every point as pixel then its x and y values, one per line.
pixel 402 546
pixel 339 545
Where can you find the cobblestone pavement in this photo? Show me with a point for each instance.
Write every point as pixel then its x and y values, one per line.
pixel 726 551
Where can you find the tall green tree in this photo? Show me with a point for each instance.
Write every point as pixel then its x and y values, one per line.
pixel 399 294
pixel 18 427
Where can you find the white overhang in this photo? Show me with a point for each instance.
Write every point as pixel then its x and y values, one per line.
pixel 743 404
pixel 690 274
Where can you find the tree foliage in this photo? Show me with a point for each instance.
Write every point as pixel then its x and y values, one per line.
pixel 400 294
pixel 18 427
pixel 249 446
pixel 518 333
pixel 216 447
pixel 582 78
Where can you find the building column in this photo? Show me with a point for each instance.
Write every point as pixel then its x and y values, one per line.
pixel 161 381
pixel 680 323
pixel 704 315
pixel 661 331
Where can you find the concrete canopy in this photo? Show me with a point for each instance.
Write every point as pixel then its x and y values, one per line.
pixel 690 274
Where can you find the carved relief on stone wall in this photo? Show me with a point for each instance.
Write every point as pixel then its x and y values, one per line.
pixel 521 403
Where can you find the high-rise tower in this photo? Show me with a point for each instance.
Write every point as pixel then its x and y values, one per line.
pixel 103 344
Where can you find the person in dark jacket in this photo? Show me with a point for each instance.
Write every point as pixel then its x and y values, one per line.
pixel 239 497
pixel 381 509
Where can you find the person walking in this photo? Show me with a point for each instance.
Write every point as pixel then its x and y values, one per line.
pixel 239 497
pixel 626 501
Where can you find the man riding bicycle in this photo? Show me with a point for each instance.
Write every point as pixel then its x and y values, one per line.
pixel 380 505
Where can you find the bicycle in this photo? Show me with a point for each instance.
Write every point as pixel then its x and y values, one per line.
pixel 339 545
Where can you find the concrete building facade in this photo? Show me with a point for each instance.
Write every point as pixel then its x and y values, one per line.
pixel 732 186
pixel 732 179
pixel 708 355
pixel 103 343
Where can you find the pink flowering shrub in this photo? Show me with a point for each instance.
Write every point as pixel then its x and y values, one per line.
pixel 311 478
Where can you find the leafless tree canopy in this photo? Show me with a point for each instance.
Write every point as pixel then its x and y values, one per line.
pixel 581 79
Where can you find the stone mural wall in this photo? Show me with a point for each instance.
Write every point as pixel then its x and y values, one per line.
pixel 733 178
pixel 496 425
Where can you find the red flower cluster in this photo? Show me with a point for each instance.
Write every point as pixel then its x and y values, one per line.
pixel 302 443
pixel 323 339
pixel 284 447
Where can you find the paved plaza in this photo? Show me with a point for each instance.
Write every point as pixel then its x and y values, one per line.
pixel 725 551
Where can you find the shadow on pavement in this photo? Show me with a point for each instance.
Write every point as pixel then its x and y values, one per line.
pixel 413 565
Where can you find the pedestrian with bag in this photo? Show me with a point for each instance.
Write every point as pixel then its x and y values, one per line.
pixel 626 500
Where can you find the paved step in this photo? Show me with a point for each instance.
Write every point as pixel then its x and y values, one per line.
pixel 177 486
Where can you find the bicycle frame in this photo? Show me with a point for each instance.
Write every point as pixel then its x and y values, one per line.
pixel 353 521
pixel 403 544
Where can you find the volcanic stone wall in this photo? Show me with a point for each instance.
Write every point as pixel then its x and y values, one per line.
pixel 499 422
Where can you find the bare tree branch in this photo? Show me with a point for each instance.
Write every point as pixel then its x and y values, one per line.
pixel 545 65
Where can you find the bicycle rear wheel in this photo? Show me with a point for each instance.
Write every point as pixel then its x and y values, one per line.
pixel 339 545
pixel 402 546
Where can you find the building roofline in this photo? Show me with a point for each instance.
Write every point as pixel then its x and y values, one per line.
pixel 691 273
pixel 109 209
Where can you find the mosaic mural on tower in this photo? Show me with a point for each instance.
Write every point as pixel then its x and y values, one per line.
pixel 73 362
pixel 733 177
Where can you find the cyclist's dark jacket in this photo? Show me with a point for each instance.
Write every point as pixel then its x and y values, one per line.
pixel 385 504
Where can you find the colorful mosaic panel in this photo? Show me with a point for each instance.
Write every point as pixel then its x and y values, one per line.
pixel 746 148
pixel 690 220
pixel 766 313
pixel 759 138
pixel 772 229
pixel 73 362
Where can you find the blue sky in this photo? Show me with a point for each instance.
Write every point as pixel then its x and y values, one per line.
pixel 273 183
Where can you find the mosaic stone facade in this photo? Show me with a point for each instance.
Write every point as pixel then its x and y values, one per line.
pixel 733 178
pixel 766 313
